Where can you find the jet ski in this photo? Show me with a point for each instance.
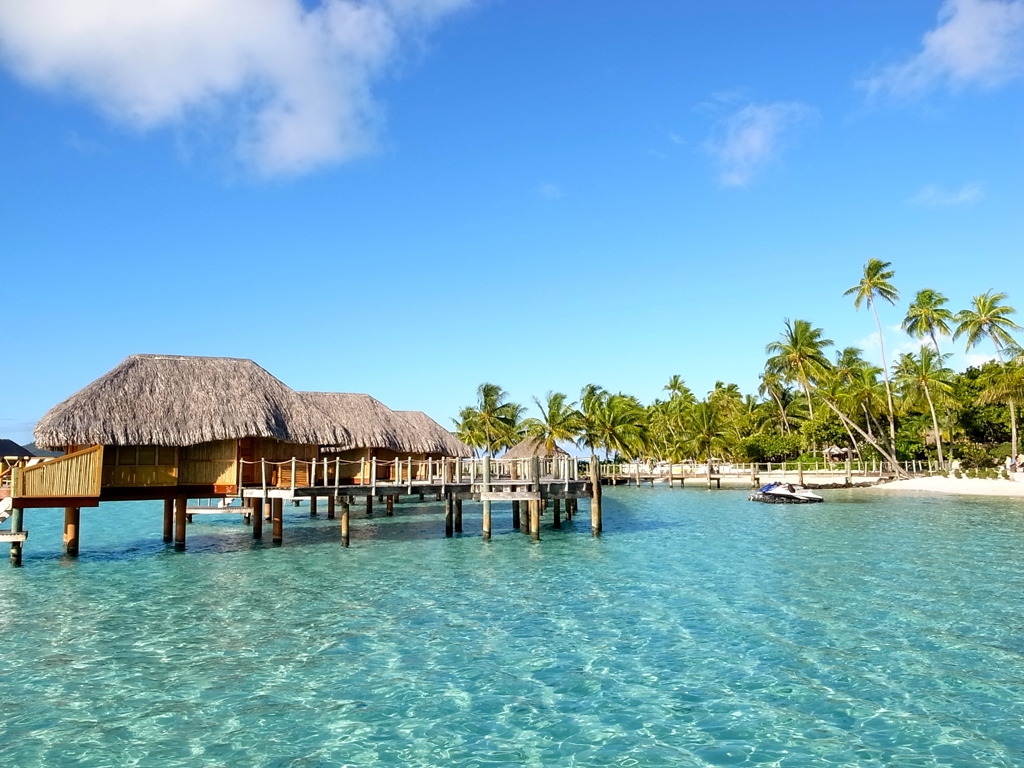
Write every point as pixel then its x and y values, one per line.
pixel 785 493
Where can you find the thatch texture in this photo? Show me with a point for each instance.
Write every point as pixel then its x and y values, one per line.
pixel 445 443
pixel 369 423
pixel 179 401
pixel 531 446
pixel 11 448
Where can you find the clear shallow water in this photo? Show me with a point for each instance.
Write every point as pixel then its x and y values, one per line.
pixel 700 630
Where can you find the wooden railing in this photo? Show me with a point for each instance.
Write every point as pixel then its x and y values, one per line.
pixel 76 475
pixel 409 472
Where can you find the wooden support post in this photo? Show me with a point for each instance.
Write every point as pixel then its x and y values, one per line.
pixel 557 521
pixel 595 500
pixel 277 534
pixel 485 487
pixel 257 519
pixel 369 505
pixel 391 505
pixel 849 478
pixel 458 515
pixel 268 508
pixel 331 502
pixel 17 526
pixel 72 519
pixel 344 523
pixel 179 522
pixel 168 521
pixel 515 514
pixel 449 522
pixel 524 522
pixel 535 520
pixel 312 505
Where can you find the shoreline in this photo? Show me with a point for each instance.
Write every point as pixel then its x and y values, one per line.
pixel 951 486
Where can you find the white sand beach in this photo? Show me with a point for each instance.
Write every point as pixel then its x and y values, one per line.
pixel 964 486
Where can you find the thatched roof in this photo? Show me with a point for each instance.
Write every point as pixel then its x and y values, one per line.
pixel 445 443
pixel 11 448
pixel 531 446
pixel 180 400
pixel 369 423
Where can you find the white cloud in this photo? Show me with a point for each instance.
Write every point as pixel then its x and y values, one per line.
pixel 751 138
pixel 295 84
pixel 550 191
pixel 936 196
pixel 976 42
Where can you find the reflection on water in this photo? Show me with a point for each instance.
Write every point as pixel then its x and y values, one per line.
pixel 700 630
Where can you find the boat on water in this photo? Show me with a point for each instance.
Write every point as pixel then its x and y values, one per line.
pixel 785 493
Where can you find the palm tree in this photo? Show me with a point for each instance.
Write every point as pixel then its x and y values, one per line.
pixel 798 356
pixel 927 315
pixel 559 421
pixel 925 375
pixel 772 387
pixel 494 423
pixel 705 431
pixel 875 283
pixel 989 318
pixel 1005 385
pixel 677 389
pixel 616 423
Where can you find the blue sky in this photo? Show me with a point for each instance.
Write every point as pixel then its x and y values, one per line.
pixel 410 197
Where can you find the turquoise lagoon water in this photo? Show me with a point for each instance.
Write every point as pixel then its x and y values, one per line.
pixel 701 629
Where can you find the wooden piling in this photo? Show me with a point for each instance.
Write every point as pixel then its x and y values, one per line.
pixel 557 514
pixel 17 526
pixel 168 521
pixel 331 502
pixel 449 522
pixel 72 519
pixel 485 487
pixel 535 520
pixel 391 505
pixel 458 515
pixel 515 514
pixel 344 523
pixel 257 518
pixel 369 505
pixel 312 506
pixel 179 521
pixel 277 533
pixel 595 500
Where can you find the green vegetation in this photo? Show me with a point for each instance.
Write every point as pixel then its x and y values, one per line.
pixel 806 403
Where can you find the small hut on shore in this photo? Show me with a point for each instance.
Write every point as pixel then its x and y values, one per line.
pixel 532 446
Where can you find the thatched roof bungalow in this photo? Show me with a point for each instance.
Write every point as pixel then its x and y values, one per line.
pixel 172 420
pixel 444 442
pixel 532 446
pixel 377 432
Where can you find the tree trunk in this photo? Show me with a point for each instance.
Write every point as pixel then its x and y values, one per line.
pixel 885 376
pixel 846 420
pixel 935 425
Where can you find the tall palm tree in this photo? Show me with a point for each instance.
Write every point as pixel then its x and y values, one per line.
pixel 1005 385
pixel 705 431
pixel 615 423
pixel 925 374
pixel 559 421
pixel 677 388
pixel 494 420
pixel 875 284
pixel 988 317
pixel 797 355
pixel 771 386
pixel 927 315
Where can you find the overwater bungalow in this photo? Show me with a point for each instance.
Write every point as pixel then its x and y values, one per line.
pixel 175 428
